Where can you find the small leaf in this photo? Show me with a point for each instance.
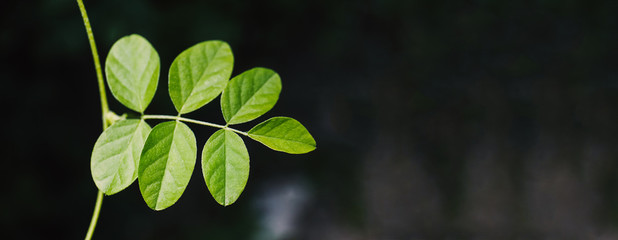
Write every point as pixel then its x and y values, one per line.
pixel 116 155
pixel 249 95
pixel 225 165
pixel 283 134
pixel 166 164
pixel 199 74
pixel 132 70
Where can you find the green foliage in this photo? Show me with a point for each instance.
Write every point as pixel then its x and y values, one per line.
pixel 166 164
pixel 225 164
pixel 249 95
pixel 163 159
pixel 132 70
pixel 116 154
pixel 283 134
pixel 199 74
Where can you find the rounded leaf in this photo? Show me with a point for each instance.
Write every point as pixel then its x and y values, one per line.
pixel 166 164
pixel 116 155
pixel 283 134
pixel 225 165
pixel 132 69
pixel 199 74
pixel 250 95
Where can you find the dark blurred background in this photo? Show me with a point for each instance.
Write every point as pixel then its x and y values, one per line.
pixel 469 119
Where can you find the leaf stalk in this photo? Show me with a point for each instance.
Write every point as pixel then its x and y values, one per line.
pixel 179 118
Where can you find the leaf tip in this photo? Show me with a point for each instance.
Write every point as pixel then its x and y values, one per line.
pixel 158 209
pixel 135 35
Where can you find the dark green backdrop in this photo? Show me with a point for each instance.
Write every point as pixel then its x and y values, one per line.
pixel 434 119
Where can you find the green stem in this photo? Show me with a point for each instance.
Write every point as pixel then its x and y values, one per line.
pixel 179 118
pixel 95 215
pixel 104 107
pixel 97 64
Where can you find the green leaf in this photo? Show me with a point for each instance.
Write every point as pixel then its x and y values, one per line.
pixel 283 134
pixel 132 70
pixel 166 164
pixel 225 165
pixel 199 74
pixel 249 95
pixel 116 155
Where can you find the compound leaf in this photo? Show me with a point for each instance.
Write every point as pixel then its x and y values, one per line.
pixel 116 155
pixel 225 165
pixel 283 134
pixel 166 164
pixel 132 70
pixel 249 95
pixel 199 74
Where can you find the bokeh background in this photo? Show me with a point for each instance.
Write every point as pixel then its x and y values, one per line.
pixel 434 119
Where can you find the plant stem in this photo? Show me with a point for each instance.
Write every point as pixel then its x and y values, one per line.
pixel 104 107
pixel 179 118
pixel 97 64
pixel 95 215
